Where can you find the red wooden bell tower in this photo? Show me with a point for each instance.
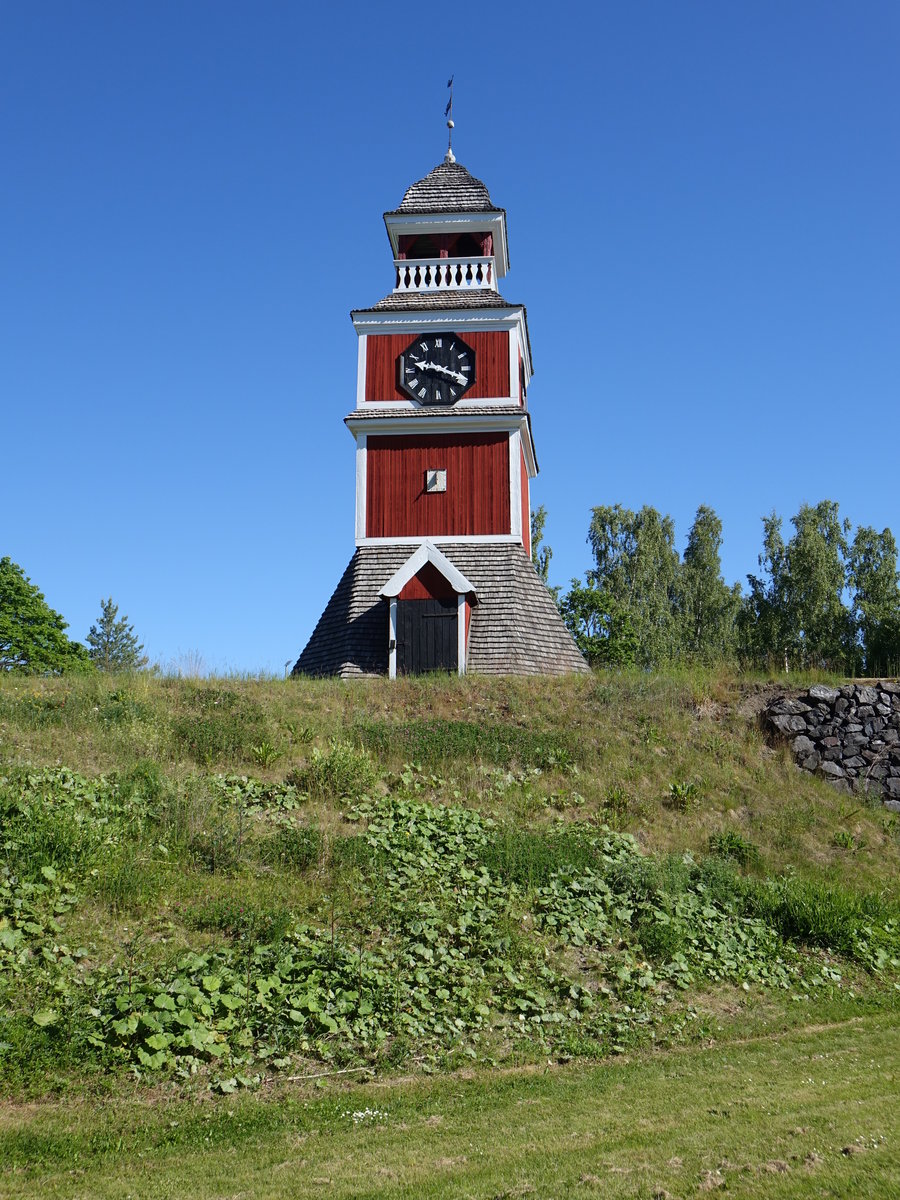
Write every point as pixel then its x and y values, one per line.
pixel 442 576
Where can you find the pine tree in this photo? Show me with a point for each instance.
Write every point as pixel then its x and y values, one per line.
pixel 113 643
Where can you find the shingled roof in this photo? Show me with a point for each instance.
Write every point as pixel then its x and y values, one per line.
pixel 448 298
pixel 448 188
pixel 515 628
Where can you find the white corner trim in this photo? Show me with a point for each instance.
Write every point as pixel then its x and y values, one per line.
pixel 515 484
pixel 360 485
pixel 361 352
pixel 426 553
pixel 392 638
pixel 461 634
pixel 515 391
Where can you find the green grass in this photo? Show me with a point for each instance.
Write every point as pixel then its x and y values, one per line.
pixel 237 880
pixel 808 1113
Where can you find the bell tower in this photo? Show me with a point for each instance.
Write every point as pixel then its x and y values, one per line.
pixel 442 577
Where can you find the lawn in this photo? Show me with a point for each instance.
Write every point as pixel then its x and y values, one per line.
pixel 812 1111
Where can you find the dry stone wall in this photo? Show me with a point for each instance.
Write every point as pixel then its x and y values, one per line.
pixel 850 735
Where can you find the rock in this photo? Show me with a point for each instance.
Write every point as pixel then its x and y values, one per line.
pixel 867 695
pixel 832 769
pixel 819 691
pixel 892 805
pixel 856 762
pixel 785 705
pixel 865 711
pixel 892 787
pixel 802 746
pixel 810 763
pixel 789 724
pixel 892 689
pixel 841 706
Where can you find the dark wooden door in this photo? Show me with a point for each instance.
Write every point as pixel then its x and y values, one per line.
pixel 426 636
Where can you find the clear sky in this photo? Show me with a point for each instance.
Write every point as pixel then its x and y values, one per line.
pixel 704 218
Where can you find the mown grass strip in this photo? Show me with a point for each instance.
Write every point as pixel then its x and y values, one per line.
pixel 809 1113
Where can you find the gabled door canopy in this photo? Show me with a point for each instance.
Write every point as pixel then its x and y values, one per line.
pixel 428 553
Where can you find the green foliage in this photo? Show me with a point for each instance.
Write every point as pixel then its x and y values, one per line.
pixel 340 771
pixel 733 845
pixel 865 927
pixel 795 613
pixel 237 917
pixel 294 846
pixel 530 858
pixel 219 725
pixel 541 554
pixel 191 924
pixel 32 640
pixel 683 795
pixel 433 743
pixel 706 608
pixel 635 561
pixel 872 574
pixel 113 643
pixel 601 626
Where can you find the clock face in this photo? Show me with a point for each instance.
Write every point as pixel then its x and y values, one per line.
pixel 437 368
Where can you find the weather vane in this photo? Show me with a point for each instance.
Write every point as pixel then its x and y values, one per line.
pixel 448 113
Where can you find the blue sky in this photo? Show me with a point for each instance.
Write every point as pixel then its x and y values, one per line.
pixel 703 207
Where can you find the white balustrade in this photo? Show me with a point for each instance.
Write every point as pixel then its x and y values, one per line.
pixel 443 274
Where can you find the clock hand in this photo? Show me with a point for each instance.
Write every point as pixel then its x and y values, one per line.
pixel 430 366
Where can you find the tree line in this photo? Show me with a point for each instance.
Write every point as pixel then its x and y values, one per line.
pixel 33 636
pixel 821 598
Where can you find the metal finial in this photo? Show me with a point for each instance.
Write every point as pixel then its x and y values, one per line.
pixel 448 112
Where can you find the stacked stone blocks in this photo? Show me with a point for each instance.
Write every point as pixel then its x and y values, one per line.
pixel 850 735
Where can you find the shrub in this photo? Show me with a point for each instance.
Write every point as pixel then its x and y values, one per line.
pixel 340 772
pixel 731 844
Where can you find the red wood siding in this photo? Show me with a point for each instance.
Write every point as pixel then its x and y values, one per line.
pixel 491 364
pixel 477 497
pixel 526 508
pixel 427 584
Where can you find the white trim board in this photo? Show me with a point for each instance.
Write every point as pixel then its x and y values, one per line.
pixel 467 539
pixel 427 553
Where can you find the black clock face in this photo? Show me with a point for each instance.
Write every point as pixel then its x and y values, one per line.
pixel 437 368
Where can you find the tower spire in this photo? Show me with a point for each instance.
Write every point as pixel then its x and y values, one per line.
pixel 448 113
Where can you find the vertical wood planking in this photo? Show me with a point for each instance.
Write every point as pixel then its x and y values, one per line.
pixel 491 365
pixel 477 497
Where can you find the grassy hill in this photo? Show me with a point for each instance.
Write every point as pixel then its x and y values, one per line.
pixel 242 888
